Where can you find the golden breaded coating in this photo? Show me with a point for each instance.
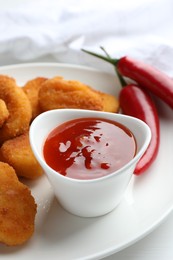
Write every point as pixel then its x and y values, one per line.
pixel 110 102
pixel 17 153
pixel 17 208
pixel 4 114
pixel 31 88
pixel 59 93
pixel 18 106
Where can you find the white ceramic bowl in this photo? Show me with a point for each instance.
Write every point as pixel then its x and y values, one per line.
pixel 95 197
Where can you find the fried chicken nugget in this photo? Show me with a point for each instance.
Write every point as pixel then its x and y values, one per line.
pixel 110 102
pixel 17 208
pixel 31 88
pixel 18 106
pixel 59 93
pixel 4 113
pixel 17 153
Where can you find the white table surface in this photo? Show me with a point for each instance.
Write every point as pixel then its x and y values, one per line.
pixel 156 245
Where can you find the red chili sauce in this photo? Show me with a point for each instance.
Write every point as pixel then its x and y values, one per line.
pixel 88 148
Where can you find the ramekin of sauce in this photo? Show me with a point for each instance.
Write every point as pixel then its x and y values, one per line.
pixel 88 156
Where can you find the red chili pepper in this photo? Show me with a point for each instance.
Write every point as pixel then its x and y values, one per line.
pixel 136 102
pixel 145 75
pixel 148 77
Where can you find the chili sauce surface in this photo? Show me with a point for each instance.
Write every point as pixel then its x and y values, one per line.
pixel 88 148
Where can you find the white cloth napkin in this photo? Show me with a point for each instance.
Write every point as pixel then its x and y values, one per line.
pixel 47 30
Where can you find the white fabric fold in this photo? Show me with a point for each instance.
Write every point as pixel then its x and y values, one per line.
pixel 50 30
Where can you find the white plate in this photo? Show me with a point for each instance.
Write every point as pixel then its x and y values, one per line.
pixel 148 200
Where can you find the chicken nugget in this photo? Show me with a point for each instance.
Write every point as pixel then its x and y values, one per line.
pixel 4 113
pixel 17 153
pixel 17 208
pixel 31 88
pixel 18 106
pixel 59 93
pixel 110 102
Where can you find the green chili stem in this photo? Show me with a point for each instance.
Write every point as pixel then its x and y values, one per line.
pixel 121 79
pixel 110 60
